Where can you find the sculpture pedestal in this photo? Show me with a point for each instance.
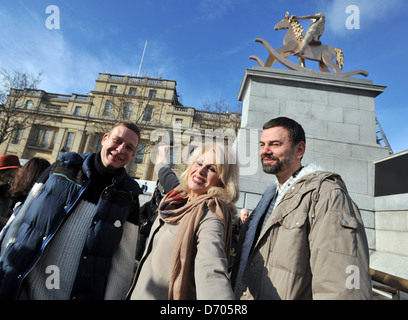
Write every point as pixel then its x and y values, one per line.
pixel 338 116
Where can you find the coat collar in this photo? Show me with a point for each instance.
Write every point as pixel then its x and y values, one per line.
pixel 308 179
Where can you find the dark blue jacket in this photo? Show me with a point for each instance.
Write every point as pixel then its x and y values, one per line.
pixel 64 187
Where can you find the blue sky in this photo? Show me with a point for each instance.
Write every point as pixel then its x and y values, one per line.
pixel 203 44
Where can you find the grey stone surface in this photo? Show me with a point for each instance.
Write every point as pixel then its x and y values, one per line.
pixel 338 116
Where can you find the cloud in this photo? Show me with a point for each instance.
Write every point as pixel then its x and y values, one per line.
pixel 213 9
pixel 58 54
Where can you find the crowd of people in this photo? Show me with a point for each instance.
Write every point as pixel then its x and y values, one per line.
pixel 82 216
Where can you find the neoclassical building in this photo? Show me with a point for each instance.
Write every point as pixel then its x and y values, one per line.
pixel 53 123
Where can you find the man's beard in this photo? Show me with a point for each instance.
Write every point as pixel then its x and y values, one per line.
pixel 271 168
pixel 277 166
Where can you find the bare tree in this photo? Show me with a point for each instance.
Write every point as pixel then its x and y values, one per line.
pixel 218 114
pixel 14 115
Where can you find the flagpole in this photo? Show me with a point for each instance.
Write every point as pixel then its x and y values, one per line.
pixel 141 61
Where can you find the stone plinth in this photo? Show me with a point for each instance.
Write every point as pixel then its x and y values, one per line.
pixel 338 116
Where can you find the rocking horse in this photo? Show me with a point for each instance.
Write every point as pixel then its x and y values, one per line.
pixel 315 51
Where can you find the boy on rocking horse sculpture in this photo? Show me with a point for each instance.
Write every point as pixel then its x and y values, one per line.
pixel 314 33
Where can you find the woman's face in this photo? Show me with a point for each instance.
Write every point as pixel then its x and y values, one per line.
pixel 203 175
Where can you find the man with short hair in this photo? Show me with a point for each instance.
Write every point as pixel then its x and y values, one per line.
pixel 75 236
pixel 243 215
pixel 305 239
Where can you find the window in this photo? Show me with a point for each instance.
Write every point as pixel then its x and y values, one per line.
pixel 113 89
pixel 29 104
pixel 98 145
pixel 44 138
pixel 178 121
pixel 140 152
pixel 78 111
pixel 147 116
pixel 68 142
pixel 127 110
pixel 132 91
pixel 152 93
pixel 108 108
pixel 18 134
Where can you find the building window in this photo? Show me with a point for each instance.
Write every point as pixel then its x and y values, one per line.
pixel 98 145
pixel 140 152
pixel 18 134
pixel 108 108
pixel 178 121
pixel 147 116
pixel 113 89
pixel 152 93
pixel 132 91
pixel 44 138
pixel 127 110
pixel 29 104
pixel 78 111
pixel 68 141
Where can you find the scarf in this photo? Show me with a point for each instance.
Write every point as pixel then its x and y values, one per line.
pixel 176 209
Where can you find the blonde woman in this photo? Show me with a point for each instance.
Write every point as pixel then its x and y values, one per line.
pixel 185 257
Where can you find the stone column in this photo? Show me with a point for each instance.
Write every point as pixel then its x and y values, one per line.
pixel 338 116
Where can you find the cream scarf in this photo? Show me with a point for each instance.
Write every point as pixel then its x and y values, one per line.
pixel 175 209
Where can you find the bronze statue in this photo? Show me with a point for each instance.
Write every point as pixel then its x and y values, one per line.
pixel 305 47
pixel 314 32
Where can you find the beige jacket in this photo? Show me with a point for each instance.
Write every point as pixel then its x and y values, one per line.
pixel 313 245
pixel 211 279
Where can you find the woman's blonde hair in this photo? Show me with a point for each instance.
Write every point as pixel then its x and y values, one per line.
pixel 227 168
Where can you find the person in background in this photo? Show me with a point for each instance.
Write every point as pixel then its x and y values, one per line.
pixel 189 244
pixel 144 187
pixel 9 166
pixel 26 177
pixel 82 220
pixel 148 213
pixel 243 214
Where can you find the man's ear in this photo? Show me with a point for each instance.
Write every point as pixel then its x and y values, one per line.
pixel 300 149
pixel 105 136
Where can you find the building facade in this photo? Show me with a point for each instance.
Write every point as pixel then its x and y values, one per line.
pixel 58 123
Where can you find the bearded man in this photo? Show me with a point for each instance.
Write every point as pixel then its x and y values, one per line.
pixel 305 239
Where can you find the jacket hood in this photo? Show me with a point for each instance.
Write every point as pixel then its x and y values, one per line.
pixel 314 172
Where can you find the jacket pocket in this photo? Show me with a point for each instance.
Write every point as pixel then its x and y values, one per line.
pixel 294 220
pixel 342 236
pixel 291 238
